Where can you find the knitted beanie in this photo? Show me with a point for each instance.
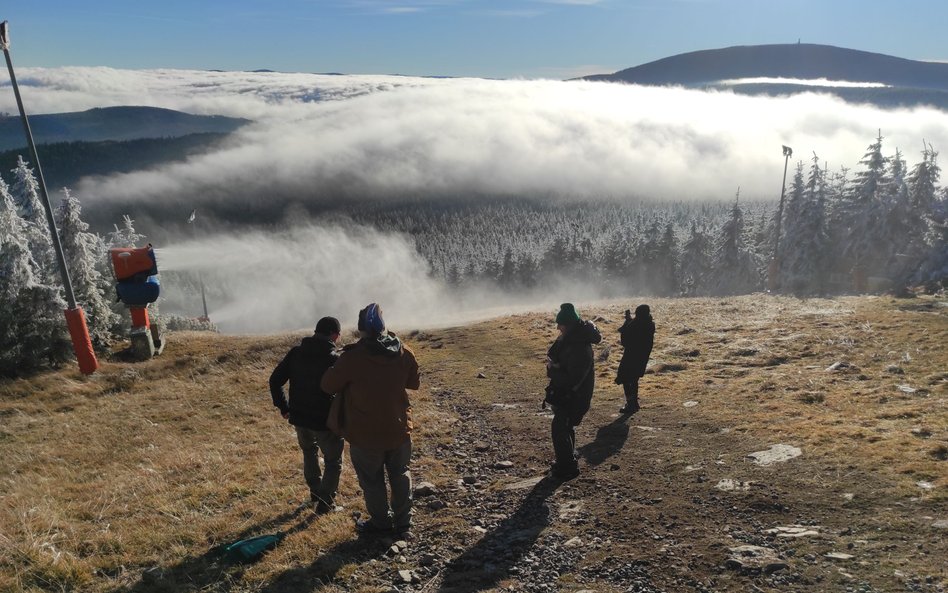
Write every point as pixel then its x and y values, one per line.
pixel 567 314
pixel 370 320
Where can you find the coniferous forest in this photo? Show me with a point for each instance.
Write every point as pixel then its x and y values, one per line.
pixel 879 226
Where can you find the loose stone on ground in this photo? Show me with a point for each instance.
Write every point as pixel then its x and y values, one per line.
pixel 754 560
pixel 778 453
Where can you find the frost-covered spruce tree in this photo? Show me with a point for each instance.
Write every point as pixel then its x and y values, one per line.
pixel 929 243
pixel 792 211
pixel 614 263
pixel 696 261
pixel 528 271
pixel 25 192
pixel 934 270
pixel 83 250
pixel 32 327
pixel 735 268
pixel 861 211
pixel 507 275
pixel 666 262
pixel 898 221
pixel 125 234
pixel 806 259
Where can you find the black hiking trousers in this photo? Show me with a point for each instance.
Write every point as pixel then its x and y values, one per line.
pixel 563 431
pixel 631 390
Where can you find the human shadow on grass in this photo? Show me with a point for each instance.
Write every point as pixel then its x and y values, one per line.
pixel 325 569
pixel 210 570
pixel 610 439
pixel 490 560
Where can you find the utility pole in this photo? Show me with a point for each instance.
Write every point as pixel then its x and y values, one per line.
pixel 191 220
pixel 774 271
pixel 75 317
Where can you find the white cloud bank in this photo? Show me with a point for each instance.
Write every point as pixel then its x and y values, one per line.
pixel 814 82
pixel 374 135
pixel 274 281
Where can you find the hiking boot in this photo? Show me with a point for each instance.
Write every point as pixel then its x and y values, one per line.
pixel 404 534
pixel 366 528
pixel 630 409
pixel 564 473
pixel 323 508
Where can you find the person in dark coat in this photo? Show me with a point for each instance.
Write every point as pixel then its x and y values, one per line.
pixel 307 408
pixel 637 337
pixel 572 379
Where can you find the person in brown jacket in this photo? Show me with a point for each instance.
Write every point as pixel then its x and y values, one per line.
pixel 373 376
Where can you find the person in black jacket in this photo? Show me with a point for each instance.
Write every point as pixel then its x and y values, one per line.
pixel 637 337
pixel 307 409
pixel 572 379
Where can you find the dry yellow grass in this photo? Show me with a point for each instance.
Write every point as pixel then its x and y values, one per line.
pixel 129 480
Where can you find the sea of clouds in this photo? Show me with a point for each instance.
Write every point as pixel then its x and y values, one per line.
pixel 319 137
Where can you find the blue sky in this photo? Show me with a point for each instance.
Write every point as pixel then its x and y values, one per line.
pixel 486 38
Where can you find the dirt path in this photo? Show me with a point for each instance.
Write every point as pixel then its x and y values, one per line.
pixel 666 498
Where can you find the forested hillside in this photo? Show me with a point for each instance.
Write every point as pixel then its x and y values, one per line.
pixel 112 123
pixel 64 163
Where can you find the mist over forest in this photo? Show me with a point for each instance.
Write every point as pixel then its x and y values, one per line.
pixel 446 198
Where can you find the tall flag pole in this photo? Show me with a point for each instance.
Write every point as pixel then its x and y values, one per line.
pixel 75 317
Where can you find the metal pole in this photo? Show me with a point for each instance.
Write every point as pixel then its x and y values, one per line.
pixel 787 153
pixel 191 220
pixel 57 245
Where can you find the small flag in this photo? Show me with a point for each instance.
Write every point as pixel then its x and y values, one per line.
pixel 191 218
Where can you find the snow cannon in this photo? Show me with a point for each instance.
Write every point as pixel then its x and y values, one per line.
pixel 137 286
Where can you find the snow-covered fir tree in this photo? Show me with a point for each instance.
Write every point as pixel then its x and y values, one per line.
pixel 125 234
pixel 507 275
pixel 83 251
pixel 32 327
pixel 528 271
pixel 805 257
pixel 26 197
pixel 696 261
pixel 735 268
pixel 929 243
pixel 860 213
pixel 898 222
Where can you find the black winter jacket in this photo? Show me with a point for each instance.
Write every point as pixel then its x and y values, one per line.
pixel 637 337
pixel 303 366
pixel 571 372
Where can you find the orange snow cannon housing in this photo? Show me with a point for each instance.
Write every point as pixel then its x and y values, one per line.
pixel 133 263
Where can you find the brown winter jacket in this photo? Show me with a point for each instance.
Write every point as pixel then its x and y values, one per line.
pixel 374 375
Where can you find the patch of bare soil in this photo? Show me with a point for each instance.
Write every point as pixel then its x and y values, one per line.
pixel 783 445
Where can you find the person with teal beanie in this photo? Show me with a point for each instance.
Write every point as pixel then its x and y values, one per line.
pixel 569 366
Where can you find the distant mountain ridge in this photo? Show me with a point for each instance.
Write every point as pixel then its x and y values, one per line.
pixel 797 60
pixel 113 123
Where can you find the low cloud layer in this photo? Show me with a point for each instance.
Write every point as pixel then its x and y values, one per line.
pixel 326 136
pixel 260 281
pixel 265 281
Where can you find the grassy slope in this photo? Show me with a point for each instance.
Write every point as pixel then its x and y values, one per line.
pixel 128 480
